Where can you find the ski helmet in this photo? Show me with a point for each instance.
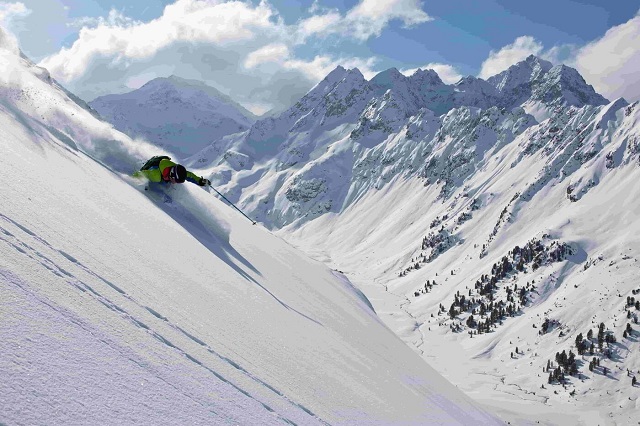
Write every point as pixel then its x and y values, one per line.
pixel 178 173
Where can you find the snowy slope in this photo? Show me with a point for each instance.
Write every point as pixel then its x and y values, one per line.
pixel 517 193
pixel 577 192
pixel 124 306
pixel 183 116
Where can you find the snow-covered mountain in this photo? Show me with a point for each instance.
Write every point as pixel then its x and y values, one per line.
pixel 535 82
pixel 375 130
pixel 165 306
pixel 493 224
pixel 182 116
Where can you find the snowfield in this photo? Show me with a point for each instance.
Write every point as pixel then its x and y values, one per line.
pixel 122 305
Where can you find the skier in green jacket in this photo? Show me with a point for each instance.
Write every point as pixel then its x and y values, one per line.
pixel 162 169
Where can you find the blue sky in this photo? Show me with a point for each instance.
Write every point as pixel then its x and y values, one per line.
pixel 268 54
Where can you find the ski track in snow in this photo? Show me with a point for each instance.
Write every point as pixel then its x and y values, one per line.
pixel 46 260
pixel 183 216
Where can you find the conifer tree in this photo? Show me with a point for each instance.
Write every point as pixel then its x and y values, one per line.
pixel 600 338
pixel 545 325
pixel 452 311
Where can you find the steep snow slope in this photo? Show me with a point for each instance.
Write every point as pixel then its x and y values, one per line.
pixel 183 116
pixel 166 306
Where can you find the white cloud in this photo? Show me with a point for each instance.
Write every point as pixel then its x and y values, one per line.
pixel 315 7
pixel 612 63
pixel 139 80
pixel 115 18
pixel 320 66
pixel 562 54
pixel 10 11
pixel 448 73
pixel 276 52
pixel 315 69
pixel 244 49
pixel 190 21
pixel 509 55
pixel 382 11
pixel 365 65
pixel 365 20
pixel 8 41
pixel 318 24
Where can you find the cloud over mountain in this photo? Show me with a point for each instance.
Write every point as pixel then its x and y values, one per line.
pixel 222 43
pixel 612 62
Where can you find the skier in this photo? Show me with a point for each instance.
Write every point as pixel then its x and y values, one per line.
pixel 161 169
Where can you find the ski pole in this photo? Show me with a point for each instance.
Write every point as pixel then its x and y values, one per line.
pixel 234 206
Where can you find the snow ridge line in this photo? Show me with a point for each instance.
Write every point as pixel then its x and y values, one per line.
pixel 56 269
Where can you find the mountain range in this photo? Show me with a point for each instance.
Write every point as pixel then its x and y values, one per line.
pixel 373 130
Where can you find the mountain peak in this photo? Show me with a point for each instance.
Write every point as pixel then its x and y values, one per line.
pixel 565 82
pixel 335 75
pixel 428 76
pixel 355 72
pixel 534 59
pixel 565 71
pixel 387 79
pixel 178 114
pixel 535 63
pixel 526 71
pixel 467 79
pixel 390 74
pixel 179 82
pixel 474 83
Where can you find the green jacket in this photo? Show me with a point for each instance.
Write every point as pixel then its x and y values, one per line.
pixel 155 174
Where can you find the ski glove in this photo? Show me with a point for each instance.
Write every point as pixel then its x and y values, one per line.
pixel 204 182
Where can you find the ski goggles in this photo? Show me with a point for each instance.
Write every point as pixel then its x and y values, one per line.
pixel 173 174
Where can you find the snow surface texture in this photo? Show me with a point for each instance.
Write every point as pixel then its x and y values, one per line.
pixel 182 116
pixel 124 306
pixel 419 191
